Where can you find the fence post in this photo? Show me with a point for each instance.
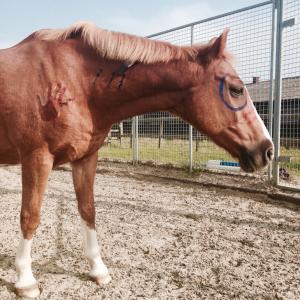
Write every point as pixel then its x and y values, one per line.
pixel 135 139
pixel 161 132
pixel 190 126
pixel 271 95
pixel 190 148
pixel 277 90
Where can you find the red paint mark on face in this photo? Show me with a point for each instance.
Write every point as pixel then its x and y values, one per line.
pixel 249 116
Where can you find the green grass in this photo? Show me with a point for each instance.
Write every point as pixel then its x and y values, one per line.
pixel 175 152
pixel 172 151
pixel 114 150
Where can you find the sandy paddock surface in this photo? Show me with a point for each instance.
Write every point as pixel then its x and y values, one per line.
pixel 161 239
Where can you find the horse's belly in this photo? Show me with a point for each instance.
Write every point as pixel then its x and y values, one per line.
pixel 9 156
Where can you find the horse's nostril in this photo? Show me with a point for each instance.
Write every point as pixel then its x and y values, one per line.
pixel 269 154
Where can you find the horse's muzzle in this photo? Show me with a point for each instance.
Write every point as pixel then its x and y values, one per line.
pixel 257 158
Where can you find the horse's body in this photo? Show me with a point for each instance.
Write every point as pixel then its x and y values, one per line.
pixel 27 122
pixel 61 91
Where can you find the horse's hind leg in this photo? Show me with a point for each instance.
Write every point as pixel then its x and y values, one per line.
pixel 35 170
pixel 83 177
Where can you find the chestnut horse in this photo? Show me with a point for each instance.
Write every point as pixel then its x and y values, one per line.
pixel 62 89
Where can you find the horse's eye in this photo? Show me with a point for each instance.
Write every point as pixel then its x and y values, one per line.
pixel 236 92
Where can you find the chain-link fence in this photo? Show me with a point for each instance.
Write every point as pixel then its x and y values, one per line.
pixel 161 138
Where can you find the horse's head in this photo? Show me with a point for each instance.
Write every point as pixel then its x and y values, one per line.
pixel 220 106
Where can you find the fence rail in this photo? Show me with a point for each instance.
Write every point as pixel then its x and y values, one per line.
pixel 265 39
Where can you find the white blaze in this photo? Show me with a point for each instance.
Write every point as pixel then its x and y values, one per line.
pixel 264 129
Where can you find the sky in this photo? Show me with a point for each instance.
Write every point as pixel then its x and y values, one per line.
pixel 249 38
pixel 20 18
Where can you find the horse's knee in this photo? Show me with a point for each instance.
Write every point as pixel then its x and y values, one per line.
pixel 29 223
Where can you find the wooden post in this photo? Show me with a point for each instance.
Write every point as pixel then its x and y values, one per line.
pixel 120 132
pixel 197 141
pixel 161 132
pixel 131 135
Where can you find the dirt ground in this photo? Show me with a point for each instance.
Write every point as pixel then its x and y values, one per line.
pixel 160 238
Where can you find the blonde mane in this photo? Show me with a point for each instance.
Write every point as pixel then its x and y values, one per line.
pixel 121 46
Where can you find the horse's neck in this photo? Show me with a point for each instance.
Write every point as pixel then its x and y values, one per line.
pixel 145 88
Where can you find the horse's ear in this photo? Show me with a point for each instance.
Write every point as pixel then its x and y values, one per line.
pixel 218 45
pixel 214 49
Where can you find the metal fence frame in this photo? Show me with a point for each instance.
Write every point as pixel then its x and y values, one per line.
pixel 275 82
pixel 281 25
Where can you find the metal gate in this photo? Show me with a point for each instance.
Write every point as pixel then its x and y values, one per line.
pixel 286 167
pixel 257 35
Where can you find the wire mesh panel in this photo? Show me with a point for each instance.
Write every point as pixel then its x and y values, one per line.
pixel 289 166
pixel 118 144
pixel 163 139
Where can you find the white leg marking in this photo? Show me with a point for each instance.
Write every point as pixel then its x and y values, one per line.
pixel 92 252
pixel 23 265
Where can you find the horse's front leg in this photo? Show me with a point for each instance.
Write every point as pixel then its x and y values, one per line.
pixel 84 172
pixel 36 167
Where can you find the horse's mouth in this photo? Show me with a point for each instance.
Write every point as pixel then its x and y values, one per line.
pixel 259 158
pixel 247 164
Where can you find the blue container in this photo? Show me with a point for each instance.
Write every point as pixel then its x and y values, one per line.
pixel 229 163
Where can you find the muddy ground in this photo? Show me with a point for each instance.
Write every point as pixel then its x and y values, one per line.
pixel 160 238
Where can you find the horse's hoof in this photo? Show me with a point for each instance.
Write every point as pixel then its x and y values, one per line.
pixel 102 280
pixel 30 292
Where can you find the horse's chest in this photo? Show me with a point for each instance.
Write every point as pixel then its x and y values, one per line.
pixel 78 148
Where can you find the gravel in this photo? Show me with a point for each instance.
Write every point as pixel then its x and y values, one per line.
pixel 160 238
